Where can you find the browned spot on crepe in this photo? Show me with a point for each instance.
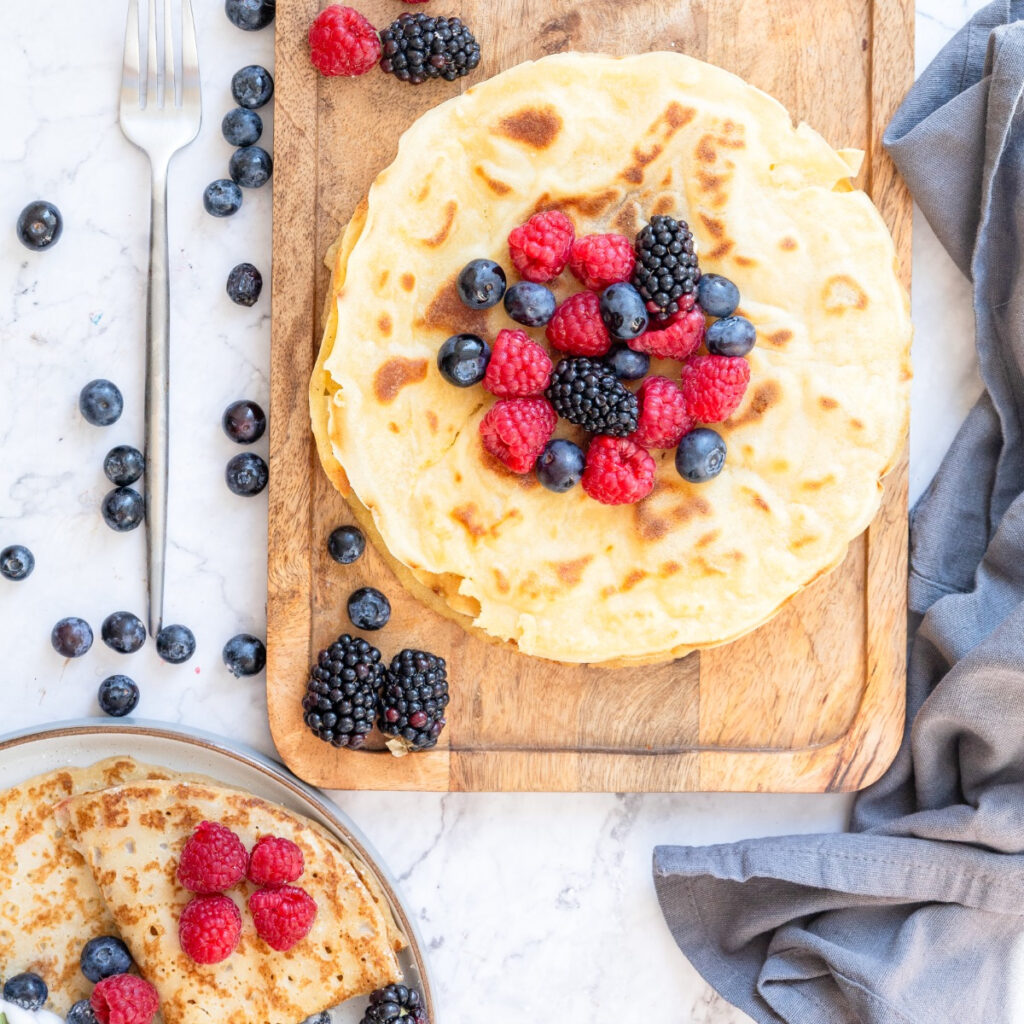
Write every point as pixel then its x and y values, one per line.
pixel 788 243
pixel 802 542
pixel 689 508
pixel 499 188
pixel 715 227
pixel 634 173
pixel 570 573
pixel 408 282
pixel 382 280
pixel 466 516
pixel 841 292
pixel 536 127
pixel 633 577
pixel 828 403
pixel 501 582
pixel 706 152
pixel 668 569
pixel 780 338
pixel 707 538
pixel 384 324
pixel 628 219
pixel 721 251
pixel 744 261
pixel 817 485
pixel 856 424
pixel 443 231
pixel 607 591
pixel 663 204
pixel 765 396
pixel 396 374
pixel 394 427
pixel 424 192
pixel 432 420
pixel 760 503
pixel 447 312
pixel 586 206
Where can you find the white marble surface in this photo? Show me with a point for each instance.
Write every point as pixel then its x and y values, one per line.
pixel 541 905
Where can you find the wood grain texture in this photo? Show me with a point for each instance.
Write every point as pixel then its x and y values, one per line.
pixel 812 701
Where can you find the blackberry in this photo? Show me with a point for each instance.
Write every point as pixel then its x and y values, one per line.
pixel 666 265
pixel 416 47
pixel 413 700
pixel 342 692
pixel 587 392
pixel 395 1003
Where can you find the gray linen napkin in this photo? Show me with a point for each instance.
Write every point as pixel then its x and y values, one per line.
pixel 917 914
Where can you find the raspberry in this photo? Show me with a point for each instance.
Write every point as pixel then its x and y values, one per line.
pixel 540 247
pixel 619 471
pixel 275 861
pixel 518 366
pixel 212 860
pixel 343 42
pixel 713 386
pixel 663 417
pixel 600 260
pixel 209 928
pixel 283 917
pixel 124 999
pixel 577 326
pixel 679 340
pixel 515 431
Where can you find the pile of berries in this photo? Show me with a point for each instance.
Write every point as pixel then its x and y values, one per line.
pixel 642 300
pixel 214 860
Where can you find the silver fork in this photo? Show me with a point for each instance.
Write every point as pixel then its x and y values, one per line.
pixel 160 114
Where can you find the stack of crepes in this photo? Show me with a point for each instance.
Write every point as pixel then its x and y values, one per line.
pixel 94 851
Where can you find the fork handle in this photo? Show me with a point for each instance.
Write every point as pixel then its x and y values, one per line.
pixel 157 443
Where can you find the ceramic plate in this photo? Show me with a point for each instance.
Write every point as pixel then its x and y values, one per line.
pixel 83 742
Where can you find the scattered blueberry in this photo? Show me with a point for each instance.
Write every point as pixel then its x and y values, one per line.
pixel 481 284
pixel 123 632
pixel 560 465
pixel 368 608
pixel 623 311
pixel 105 956
pixel 700 455
pixel 323 1017
pixel 222 198
pixel 252 86
pixel 244 421
pixel 463 359
pixel 250 166
pixel 118 696
pixel 123 509
pixel 245 283
pixel 16 563
pixel 175 644
pixel 717 295
pixel 26 990
pixel 245 655
pixel 124 465
pixel 346 544
pixel 250 15
pixel 246 474
pixel 242 127
pixel 39 225
pixel 730 336
pixel 529 304
pixel 101 403
pixel 71 637
pixel 627 364
pixel 81 1013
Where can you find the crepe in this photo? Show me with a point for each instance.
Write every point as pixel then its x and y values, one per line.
pixel 612 142
pixel 131 837
pixel 49 904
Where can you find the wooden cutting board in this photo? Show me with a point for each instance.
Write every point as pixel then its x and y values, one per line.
pixel 814 700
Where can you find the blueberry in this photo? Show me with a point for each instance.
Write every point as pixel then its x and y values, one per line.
pixel 529 304
pixel 700 455
pixel 81 1013
pixel 105 956
pixel 71 637
pixel 245 655
pixel 124 465
pixel 368 608
pixel 346 544
pixel 101 403
pixel 730 336
pixel 250 166
pixel 246 475
pixel 717 295
pixel 242 127
pixel 463 360
pixel 323 1017
pixel 560 465
pixel 40 225
pixel 118 696
pixel 175 643
pixel 481 284
pixel 244 421
pixel 26 990
pixel 252 86
pixel 623 311
pixel 222 198
pixel 123 509
pixel 245 283
pixel 16 563
pixel 123 632
pixel 627 364
pixel 250 15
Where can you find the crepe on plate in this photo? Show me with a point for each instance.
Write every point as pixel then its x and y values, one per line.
pixel 612 142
